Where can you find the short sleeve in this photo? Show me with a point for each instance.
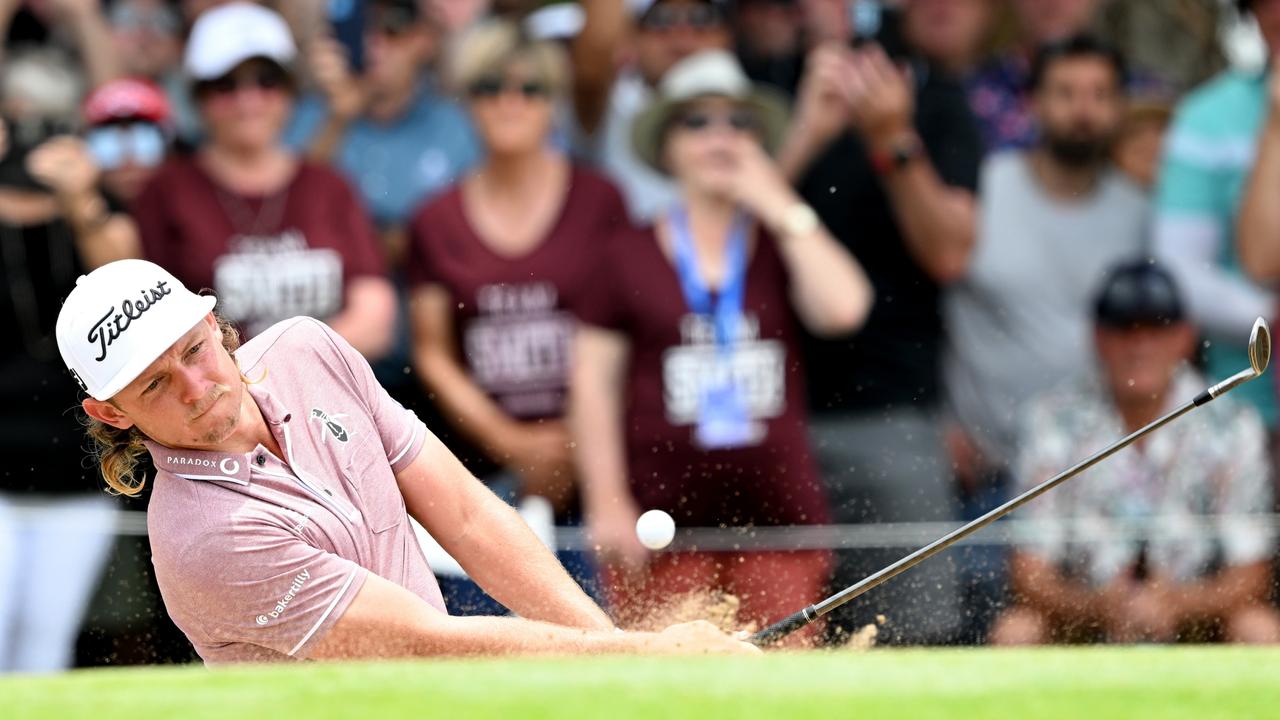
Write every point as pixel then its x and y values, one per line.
pixel 401 432
pixel 420 269
pixel 258 584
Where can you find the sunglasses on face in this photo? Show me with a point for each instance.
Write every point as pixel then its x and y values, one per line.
pixel 697 17
pixel 114 145
pixel 487 88
pixel 159 22
pixel 266 77
pixel 389 22
pixel 740 120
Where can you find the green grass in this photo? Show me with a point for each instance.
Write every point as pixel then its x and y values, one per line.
pixel 1086 683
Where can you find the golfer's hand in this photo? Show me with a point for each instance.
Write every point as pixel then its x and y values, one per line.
pixel 697 638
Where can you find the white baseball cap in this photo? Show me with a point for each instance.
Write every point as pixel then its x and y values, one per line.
pixel 121 317
pixel 227 35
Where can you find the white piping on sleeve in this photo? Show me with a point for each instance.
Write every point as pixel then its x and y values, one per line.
pixel 350 576
pixel 413 437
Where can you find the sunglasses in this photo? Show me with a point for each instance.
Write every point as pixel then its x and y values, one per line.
pixel 389 22
pixel 265 77
pixel 114 145
pixel 488 88
pixel 739 120
pixel 697 17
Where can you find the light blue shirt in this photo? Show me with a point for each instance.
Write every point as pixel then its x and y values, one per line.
pixel 397 166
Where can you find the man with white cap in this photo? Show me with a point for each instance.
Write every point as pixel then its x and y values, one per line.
pixel 285 479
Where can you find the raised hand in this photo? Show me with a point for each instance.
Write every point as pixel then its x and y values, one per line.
pixel 64 165
pixel 331 69
pixel 881 98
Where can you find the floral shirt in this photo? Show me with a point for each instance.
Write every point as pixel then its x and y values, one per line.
pixel 1192 497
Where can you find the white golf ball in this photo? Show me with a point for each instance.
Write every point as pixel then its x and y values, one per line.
pixel 655 529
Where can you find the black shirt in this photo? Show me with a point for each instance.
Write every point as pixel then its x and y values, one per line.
pixel 894 359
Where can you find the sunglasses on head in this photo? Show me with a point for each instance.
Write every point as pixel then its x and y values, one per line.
pixel 740 120
pixel 698 17
pixel 264 77
pixel 493 87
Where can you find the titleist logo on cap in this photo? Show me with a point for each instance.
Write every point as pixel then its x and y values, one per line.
pixel 114 324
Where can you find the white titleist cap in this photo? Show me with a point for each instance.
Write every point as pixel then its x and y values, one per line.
pixel 227 35
pixel 119 319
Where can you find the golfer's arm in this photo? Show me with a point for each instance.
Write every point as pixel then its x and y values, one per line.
pixel 1233 588
pixel 387 621
pixel 492 543
pixel 1041 586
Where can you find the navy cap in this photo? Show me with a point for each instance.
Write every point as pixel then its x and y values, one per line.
pixel 1138 293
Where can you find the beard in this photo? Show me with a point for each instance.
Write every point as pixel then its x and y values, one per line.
pixel 1078 150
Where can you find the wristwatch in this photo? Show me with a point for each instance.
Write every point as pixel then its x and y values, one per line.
pixel 900 154
pixel 799 220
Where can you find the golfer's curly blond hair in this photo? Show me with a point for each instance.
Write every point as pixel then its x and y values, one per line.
pixel 118 452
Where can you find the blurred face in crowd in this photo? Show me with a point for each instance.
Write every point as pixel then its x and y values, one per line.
pixel 512 111
pixel 1045 21
pixel 1140 362
pixel 1137 149
pixel 769 28
pixel 128 154
pixel 146 36
pixel 247 107
pixel 825 20
pixel 397 46
pixel 1079 106
pixel 700 147
pixel 672 30
pixel 950 32
pixel 1267 13
pixel 189 397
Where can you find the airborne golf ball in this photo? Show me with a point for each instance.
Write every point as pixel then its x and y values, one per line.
pixel 655 529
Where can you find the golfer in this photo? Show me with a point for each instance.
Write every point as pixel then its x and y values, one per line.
pixel 285 477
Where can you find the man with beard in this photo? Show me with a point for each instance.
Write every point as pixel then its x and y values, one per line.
pixel 1051 220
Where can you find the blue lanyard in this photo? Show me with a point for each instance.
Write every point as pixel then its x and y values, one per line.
pixel 726 308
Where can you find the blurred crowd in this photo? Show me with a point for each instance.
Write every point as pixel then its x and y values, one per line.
pixel 751 262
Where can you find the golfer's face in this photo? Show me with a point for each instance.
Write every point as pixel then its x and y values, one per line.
pixel 190 396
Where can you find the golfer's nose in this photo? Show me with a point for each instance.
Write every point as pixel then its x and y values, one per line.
pixel 191 384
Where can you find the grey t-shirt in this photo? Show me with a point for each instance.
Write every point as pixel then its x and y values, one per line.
pixel 1020 322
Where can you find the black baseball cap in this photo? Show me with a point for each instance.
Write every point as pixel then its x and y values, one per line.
pixel 1138 293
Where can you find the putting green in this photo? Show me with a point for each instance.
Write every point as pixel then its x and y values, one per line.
pixel 1091 683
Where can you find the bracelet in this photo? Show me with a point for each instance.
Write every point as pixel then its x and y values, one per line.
pixel 799 220
pixel 900 154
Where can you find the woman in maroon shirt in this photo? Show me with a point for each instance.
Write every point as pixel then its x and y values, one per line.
pixel 274 235
pixel 687 393
pixel 496 260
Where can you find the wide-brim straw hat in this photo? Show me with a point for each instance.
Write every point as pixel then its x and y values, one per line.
pixel 712 73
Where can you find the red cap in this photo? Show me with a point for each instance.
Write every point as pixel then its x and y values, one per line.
pixel 127 99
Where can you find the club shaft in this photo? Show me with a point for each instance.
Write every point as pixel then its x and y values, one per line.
pixel 813 612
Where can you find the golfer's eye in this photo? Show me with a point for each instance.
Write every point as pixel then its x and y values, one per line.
pixel 154 384
pixel 195 349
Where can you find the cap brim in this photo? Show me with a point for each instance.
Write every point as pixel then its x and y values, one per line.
pixel 648 126
pixel 158 345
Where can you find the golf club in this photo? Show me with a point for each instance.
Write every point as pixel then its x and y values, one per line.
pixel 1259 357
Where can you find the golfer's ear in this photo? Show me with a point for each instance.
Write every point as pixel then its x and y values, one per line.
pixel 107 413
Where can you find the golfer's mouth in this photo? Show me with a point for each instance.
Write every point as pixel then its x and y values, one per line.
pixel 208 407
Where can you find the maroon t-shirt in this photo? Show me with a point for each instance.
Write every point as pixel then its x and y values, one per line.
pixel 673 356
pixel 510 313
pixel 267 258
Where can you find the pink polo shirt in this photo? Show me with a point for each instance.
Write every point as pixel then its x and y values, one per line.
pixel 257 556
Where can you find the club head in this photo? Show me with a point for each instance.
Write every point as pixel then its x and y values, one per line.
pixel 1260 346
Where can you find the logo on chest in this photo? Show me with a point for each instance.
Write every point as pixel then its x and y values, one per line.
pixel 330 423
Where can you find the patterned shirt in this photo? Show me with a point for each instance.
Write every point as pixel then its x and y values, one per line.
pixel 1194 492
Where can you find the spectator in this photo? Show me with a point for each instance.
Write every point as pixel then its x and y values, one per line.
pixel 496 261
pixel 75 28
pixel 770 41
pixel 1140 142
pixel 389 129
pixel 147 41
pixel 889 159
pixel 1052 220
pixel 55 525
pixel 1195 492
pixel 998 90
pixel 952 34
pixel 273 235
pixel 1181 38
pixel 94 178
pixel 666 31
pixel 1212 144
pixel 690 400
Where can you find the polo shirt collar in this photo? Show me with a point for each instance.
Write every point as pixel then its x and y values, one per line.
pixel 212 464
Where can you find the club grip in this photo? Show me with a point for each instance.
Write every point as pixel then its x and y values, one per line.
pixel 784 627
